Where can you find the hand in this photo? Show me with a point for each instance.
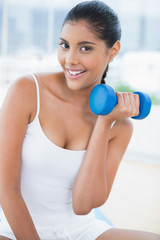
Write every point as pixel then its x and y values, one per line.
pixel 127 106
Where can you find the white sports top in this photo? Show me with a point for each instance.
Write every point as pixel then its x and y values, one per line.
pixel 48 173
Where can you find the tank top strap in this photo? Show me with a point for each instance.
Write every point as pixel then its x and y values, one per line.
pixel 38 94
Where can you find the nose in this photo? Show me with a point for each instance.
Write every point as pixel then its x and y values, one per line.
pixel 72 57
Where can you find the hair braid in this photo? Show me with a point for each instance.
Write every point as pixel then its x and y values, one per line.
pixel 104 75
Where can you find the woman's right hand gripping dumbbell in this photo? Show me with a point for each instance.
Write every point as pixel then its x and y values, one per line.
pixel 115 106
pixel 127 106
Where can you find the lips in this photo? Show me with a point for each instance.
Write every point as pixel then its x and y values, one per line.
pixel 75 73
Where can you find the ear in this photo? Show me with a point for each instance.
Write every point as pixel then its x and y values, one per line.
pixel 114 50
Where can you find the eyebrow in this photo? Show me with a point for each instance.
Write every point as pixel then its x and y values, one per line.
pixel 80 43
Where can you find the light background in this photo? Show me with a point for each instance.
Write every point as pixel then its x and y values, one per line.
pixel 29 33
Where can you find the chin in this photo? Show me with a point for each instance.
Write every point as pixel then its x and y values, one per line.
pixel 72 84
pixel 74 88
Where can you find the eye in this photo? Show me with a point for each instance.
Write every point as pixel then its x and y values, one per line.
pixel 86 48
pixel 64 45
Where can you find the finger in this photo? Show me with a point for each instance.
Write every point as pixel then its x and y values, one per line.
pixel 132 100
pixel 120 99
pixel 130 103
pixel 134 109
pixel 137 103
pixel 127 101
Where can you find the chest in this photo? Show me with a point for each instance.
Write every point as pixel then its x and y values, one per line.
pixel 65 125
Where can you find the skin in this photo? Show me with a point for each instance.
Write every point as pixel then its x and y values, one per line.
pixel 60 91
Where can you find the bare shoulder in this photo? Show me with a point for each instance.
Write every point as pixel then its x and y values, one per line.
pixel 122 129
pixel 121 135
pixel 24 86
pixel 21 95
pixel 125 123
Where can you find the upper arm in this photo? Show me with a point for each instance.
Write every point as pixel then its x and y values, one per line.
pixel 122 132
pixel 15 115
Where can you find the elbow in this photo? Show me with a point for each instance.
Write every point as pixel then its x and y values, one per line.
pixel 84 208
pixel 81 210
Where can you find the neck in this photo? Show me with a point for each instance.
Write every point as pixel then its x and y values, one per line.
pixel 79 97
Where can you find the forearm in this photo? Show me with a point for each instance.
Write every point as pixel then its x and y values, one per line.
pixel 90 189
pixel 18 216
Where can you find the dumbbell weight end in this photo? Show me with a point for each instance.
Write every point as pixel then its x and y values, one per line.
pixel 144 106
pixel 102 99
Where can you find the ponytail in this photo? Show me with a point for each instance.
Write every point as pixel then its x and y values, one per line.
pixel 104 75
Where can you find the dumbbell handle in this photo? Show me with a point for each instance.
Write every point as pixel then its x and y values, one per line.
pixel 103 99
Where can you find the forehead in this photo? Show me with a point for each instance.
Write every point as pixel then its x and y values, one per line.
pixel 78 30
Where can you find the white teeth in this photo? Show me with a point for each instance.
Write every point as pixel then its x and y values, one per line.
pixel 75 72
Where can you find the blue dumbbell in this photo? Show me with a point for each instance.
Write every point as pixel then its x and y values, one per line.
pixel 103 99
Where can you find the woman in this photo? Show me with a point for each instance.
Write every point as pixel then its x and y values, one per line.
pixel 58 160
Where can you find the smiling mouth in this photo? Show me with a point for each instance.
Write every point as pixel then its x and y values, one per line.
pixel 75 74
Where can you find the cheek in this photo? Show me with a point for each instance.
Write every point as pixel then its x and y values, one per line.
pixel 99 60
pixel 60 57
pixel 102 63
pixel 98 64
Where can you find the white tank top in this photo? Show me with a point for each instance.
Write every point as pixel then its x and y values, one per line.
pixel 48 171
